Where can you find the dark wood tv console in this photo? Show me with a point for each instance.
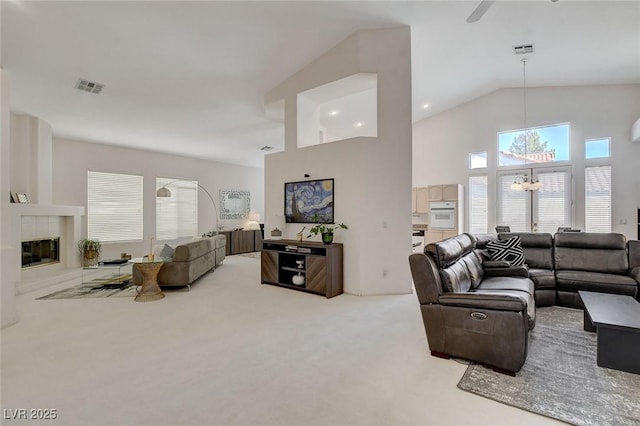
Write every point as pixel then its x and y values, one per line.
pixel 320 266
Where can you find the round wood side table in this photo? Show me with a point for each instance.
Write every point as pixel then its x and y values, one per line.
pixel 150 290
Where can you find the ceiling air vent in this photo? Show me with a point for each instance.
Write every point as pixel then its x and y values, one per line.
pixel 89 86
pixel 522 49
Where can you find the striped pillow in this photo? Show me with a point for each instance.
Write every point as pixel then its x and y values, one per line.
pixel 509 250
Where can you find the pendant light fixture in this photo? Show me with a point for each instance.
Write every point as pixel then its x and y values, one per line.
pixel 524 183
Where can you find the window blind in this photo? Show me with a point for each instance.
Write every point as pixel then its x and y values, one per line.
pixel 552 202
pixel 597 197
pixel 114 207
pixel 177 216
pixel 513 206
pixel 478 204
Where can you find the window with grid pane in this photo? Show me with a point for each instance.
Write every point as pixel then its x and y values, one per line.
pixel 177 216
pixel 597 198
pixel 478 204
pixel 114 207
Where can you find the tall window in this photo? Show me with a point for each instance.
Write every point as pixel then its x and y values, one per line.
pixel 478 204
pixel 177 216
pixel 114 207
pixel 597 186
pixel 597 199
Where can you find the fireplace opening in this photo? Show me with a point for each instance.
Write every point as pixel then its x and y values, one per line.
pixel 40 252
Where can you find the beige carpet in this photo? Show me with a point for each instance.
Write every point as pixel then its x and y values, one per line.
pixel 234 352
pixel 561 379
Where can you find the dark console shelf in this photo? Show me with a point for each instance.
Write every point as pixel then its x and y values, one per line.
pixel 317 267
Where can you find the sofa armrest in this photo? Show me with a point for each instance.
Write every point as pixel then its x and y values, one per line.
pixel 496 264
pixel 510 271
pixel 498 302
pixel 635 274
pixel 634 254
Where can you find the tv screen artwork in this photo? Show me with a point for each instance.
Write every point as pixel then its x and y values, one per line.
pixel 304 200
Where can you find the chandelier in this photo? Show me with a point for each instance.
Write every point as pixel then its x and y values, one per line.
pixel 524 183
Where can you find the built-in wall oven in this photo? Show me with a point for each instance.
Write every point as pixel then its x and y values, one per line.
pixel 442 215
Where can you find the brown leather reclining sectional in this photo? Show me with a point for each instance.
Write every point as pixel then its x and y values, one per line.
pixel 483 313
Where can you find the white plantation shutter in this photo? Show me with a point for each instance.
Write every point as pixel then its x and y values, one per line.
pixel 513 206
pixel 114 207
pixel 552 202
pixel 597 197
pixel 478 204
pixel 177 216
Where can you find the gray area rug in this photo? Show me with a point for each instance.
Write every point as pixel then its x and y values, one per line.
pixel 91 291
pixel 560 378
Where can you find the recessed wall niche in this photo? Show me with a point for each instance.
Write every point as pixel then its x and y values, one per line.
pixel 343 109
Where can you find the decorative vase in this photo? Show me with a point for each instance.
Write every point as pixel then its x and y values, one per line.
pixel 90 258
pixel 327 237
pixel 298 279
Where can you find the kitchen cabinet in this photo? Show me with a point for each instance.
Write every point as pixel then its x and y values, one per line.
pixel 420 200
pixel 450 192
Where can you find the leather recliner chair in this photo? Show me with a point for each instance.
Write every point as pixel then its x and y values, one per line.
pixel 471 312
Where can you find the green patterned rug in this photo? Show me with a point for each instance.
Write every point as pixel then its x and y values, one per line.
pixel 560 378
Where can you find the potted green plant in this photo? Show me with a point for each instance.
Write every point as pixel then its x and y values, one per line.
pixel 89 251
pixel 326 230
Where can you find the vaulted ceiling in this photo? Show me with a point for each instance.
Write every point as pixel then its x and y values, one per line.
pixel 189 77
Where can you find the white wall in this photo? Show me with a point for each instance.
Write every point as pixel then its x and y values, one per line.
pixel 8 254
pixel 31 150
pixel 441 143
pixel 372 175
pixel 72 160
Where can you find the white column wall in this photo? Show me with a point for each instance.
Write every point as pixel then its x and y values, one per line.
pixel 31 151
pixel 372 175
pixel 8 253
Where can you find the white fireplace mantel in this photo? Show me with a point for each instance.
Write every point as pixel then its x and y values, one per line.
pixel 71 233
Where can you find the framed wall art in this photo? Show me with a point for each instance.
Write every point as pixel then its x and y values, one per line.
pixel 309 201
pixel 234 204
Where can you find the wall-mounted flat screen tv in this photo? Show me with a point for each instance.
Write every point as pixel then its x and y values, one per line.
pixel 309 201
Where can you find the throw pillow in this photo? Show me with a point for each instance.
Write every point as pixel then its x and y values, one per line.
pixel 167 252
pixel 509 250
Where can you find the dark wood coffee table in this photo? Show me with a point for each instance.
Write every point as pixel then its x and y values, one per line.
pixel 616 319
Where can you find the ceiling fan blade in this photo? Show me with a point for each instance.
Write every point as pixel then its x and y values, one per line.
pixel 480 10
